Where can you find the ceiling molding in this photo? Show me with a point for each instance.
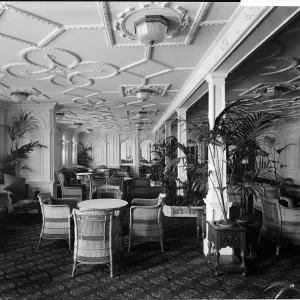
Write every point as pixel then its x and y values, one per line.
pixel 200 15
pixel 244 18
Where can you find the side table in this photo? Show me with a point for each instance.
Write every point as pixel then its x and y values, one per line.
pixel 234 237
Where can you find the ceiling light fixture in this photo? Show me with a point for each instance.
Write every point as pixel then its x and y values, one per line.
pixel 77 125
pixel 19 96
pixel 151 29
pixel 59 115
pixel 274 92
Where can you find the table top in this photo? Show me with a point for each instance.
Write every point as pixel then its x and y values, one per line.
pixel 107 203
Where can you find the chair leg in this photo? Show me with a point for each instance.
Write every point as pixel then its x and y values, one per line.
pixel 112 268
pixel 161 243
pixel 40 241
pixel 129 239
pixel 74 269
pixel 259 237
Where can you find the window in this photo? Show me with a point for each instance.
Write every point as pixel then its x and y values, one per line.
pixel 64 153
pixel 127 148
pixel 145 151
pixel 74 151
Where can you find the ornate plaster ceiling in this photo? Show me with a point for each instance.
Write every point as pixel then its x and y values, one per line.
pixel 274 65
pixel 85 56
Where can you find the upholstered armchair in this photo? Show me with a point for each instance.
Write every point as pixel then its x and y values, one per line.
pixel 140 187
pixel 21 197
pixel 96 238
pixel 280 224
pixel 146 221
pixel 74 191
pixel 57 215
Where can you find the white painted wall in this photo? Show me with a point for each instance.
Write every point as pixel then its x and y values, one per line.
pixel 106 148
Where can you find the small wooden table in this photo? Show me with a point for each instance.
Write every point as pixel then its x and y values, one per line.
pixel 234 237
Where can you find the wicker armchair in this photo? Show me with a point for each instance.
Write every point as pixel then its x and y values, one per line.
pixel 140 187
pixel 95 183
pixel 146 221
pixel 120 174
pixel 280 224
pixel 109 191
pixel 74 192
pixel 117 181
pixel 96 238
pixel 57 215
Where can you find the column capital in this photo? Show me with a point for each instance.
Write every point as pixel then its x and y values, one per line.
pixel 217 77
pixel 181 111
pixel 168 122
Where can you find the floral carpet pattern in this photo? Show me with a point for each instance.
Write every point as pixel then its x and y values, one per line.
pixel 182 272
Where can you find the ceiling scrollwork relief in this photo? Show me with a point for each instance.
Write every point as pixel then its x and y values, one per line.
pixel 91 63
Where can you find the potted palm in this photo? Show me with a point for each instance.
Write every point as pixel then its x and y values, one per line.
pixel 83 156
pixel 235 137
pixel 17 127
pixel 182 199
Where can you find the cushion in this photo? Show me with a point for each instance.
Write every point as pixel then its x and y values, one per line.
pixel 26 204
pixel 14 184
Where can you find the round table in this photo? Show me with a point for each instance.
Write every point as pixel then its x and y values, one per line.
pixel 106 203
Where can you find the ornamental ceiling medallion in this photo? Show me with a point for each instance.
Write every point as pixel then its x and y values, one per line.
pixel 72 73
pixel 178 20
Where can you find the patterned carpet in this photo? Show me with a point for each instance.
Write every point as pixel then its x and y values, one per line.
pixel 182 272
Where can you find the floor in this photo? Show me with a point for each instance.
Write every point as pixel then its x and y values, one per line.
pixel 182 272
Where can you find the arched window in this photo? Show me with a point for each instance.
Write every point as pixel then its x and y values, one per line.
pixel 74 151
pixel 127 152
pixel 64 152
pixel 146 154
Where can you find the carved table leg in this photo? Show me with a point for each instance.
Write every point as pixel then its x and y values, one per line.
pixel 209 244
pixel 217 261
pixel 198 226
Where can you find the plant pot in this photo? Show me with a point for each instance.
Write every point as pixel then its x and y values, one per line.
pixel 223 225
pixel 156 183
pixel 181 211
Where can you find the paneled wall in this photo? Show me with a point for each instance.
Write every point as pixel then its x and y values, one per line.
pixel 106 148
pixel 69 134
pixel 41 161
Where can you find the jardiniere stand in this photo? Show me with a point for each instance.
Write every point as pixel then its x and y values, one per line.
pixel 234 237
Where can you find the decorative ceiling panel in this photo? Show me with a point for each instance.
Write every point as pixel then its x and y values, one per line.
pixel 78 54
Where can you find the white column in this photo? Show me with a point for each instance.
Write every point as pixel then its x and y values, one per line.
pixel 168 124
pixel 216 103
pixel 156 136
pixel 182 138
